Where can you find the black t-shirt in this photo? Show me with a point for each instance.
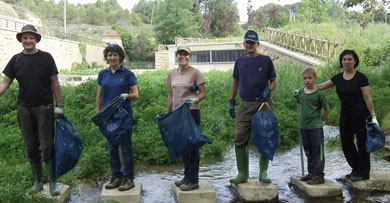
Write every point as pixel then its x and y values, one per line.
pixel 350 94
pixel 33 73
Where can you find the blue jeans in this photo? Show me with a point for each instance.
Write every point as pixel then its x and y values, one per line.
pixel 127 154
pixel 313 144
pixel 191 159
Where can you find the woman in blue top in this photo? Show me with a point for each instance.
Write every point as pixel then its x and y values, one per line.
pixel 115 81
pixel 353 90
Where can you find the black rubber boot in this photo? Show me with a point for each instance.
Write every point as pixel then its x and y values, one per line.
pixel 36 169
pixel 51 175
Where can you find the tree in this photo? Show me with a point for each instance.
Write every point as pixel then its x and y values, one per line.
pixel 369 8
pixel 336 10
pixel 314 11
pixel 127 39
pixel 175 18
pixel 225 16
pixel 143 47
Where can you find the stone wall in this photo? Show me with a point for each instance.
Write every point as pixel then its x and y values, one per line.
pixel 65 52
pixel 161 60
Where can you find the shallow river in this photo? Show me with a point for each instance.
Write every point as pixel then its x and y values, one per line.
pixel 157 180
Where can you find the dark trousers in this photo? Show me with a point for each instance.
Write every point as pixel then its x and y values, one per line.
pixel 191 159
pixel 127 155
pixel 313 144
pixel 356 156
pixel 37 126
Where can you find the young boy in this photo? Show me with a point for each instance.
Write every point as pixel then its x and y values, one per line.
pixel 310 101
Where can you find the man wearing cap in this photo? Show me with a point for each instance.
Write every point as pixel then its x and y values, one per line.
pixel 255 76
pixel 36 73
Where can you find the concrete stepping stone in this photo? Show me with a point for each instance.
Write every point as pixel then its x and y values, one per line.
pixel 64 190
pixel 254 190
pixel 379 181
pixel 130 196
pixel 205 193
pixel 327 190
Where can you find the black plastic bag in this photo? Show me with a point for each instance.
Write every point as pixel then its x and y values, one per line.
pixel 180 132
pixel 376 138
pixel 265 132
pixel 68 146
pixel 113 120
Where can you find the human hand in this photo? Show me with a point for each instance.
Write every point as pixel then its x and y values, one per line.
pixel 373 119
pixel 194 88
pixel 266 95
pixel 192 100
pixel 59 111
pixel 232 112
pixel 124 96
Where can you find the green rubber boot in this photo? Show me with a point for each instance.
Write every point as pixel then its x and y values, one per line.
pixel 263 177
pixel 36 169
pixel 51 175
pixel 242 165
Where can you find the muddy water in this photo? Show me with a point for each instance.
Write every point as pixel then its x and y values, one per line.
pixel 157 180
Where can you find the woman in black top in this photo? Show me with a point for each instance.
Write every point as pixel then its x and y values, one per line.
pixel 353 90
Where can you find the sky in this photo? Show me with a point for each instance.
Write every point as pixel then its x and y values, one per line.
pixel 241 4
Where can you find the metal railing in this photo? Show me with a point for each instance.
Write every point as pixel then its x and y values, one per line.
pixel 17 26
pixel 318 48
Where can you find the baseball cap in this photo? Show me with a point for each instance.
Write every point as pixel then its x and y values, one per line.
pixel 251 35
pixel 183 48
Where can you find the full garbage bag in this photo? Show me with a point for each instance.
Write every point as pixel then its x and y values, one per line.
pixel 180 132
pixel 68 146
pixel 376 138
pixel 113 120
pixel 265 132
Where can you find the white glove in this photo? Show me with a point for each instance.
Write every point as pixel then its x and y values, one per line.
pixel 124 96
pixel 59 111
pixel 373 119
pixel 192 100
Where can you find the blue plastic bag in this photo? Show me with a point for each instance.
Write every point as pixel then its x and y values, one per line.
pixel 68 146
pixel 113 120
pixel 265 132
pixel 376 138
pixel 180 132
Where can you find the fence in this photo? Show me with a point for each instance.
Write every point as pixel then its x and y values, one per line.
pixel 17 26
pixel 317 48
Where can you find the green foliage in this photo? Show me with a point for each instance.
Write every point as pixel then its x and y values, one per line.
pixel 143 47
pixel 314 11
pixel 127 39
pixel 83 50
pixel 175 18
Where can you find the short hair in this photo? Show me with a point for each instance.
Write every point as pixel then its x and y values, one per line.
pixel 114 48
pixel 354 55
pixel 308 70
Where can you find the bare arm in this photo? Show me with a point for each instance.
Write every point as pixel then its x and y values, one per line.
pixel 367 99
pixel 234 89
pixel 169 101
pixel 272 85
pixel 99 98
pixel 326 113
pixel 133 94
pixel 325 85
pixel 202 92
pixel 55 85
pixel 4 85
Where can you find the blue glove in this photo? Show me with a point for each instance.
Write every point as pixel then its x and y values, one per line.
pixel 194 88
pixel 232 112
pixel 266 95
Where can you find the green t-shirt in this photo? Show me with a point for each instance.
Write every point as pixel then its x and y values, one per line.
pixel 310 109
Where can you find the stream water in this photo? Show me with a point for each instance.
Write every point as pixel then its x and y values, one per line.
pixel 157 180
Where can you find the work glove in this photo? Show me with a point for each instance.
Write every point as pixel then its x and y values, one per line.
pixel 266 95
pixel 194 88
pixel 296 92
pixel 124 96
pixel 192 100
pixel 232 112
pixel 373 119
pixel 59 111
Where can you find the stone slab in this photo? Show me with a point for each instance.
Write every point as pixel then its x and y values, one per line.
pixel 327 190
pixel 64 192
pixel 379 181
pixel 130 196
pixel 205 193
pixel 254 190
